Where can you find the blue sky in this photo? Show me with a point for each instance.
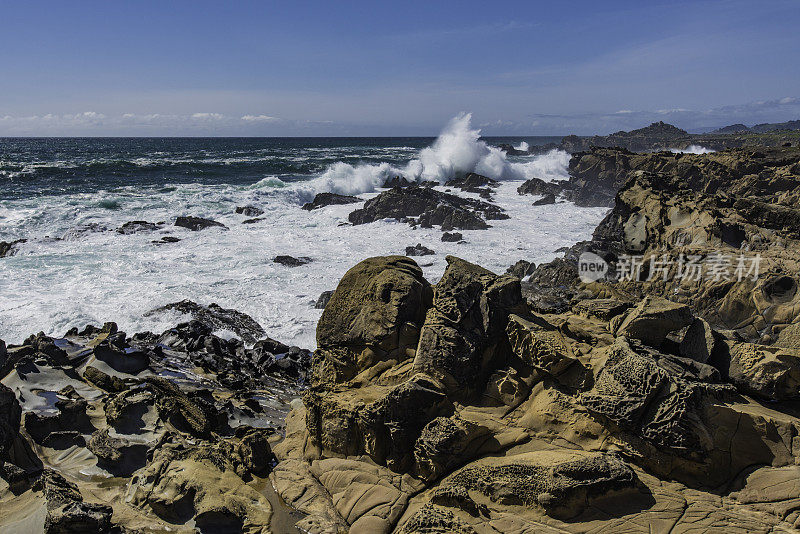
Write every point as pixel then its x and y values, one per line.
pixel 393 68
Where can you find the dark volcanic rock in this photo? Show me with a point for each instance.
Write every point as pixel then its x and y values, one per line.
pixel 511 151
pixel 537 186
pixel 291 261
pixel 546 200
pixel 323 300
pixel 419 250
pixel 657 136
pixel 329 199
pixel 134 227
pixel 10 414
pixel 431 206
pixel 452 237
pixel 249 211
pixel 9 248
pixel 197 223
pixel 472 182
pixel 67 513
pixel 397 181
pixel 216 317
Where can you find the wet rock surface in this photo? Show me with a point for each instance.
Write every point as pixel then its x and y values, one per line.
pixel 427 207
pixel 329 199
pixel 197 223
pixel 101 432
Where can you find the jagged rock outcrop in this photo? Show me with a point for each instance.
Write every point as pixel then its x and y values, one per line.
pixel 329 199
pixel 427 207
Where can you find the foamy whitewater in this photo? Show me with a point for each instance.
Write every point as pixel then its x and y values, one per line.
pixel 75 269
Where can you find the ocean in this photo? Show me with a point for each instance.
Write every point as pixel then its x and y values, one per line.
pixel 67 197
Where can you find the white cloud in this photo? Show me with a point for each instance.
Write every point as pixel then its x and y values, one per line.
pixel 208 116
pixel 259 118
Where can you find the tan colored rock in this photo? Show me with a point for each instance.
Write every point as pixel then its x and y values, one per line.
pixel 653 319
pixel 364 321
pixel 771 373
pixel 464 330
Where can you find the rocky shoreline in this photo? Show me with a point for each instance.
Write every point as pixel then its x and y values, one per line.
pixel 662 136
pixel 532 401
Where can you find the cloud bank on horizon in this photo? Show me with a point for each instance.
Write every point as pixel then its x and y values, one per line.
pixel 319 68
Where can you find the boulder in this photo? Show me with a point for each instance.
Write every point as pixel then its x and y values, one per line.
pixel 291 261
pixel 472 182
pixel 545 200
pixel 464 332
pixel 537 186
pixel 419 250
pixel 197 223
pixel 329 199
pixel 521 269
pixel 452 237
pixel 430 206
pixel 770 373
pixel 374 314
pixel 653 318
pixel 111 384
pixel 66 512
pixel 698 342
pixel 135 227
pixel 9 248
pixel 562 484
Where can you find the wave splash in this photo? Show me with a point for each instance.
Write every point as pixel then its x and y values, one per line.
pixel 458 150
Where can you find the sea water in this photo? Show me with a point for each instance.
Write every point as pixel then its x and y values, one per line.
pixel 68 196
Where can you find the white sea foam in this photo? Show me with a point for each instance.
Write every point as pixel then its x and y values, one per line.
pixel 522 146
pixel 692 149
pixel 458 150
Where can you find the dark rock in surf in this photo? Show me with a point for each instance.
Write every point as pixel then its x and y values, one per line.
pixel 134 227
pixel 430 206
pixel 166 239
pixel 323 299
pixel 329 199
pixel 472 182
pixel 452 237
pixel 9 248
pixel 197 223
pixel 397 181
pixel 537 186
pixel 291 261
pixel 545 200
pixel 249 211
pixel 419 250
